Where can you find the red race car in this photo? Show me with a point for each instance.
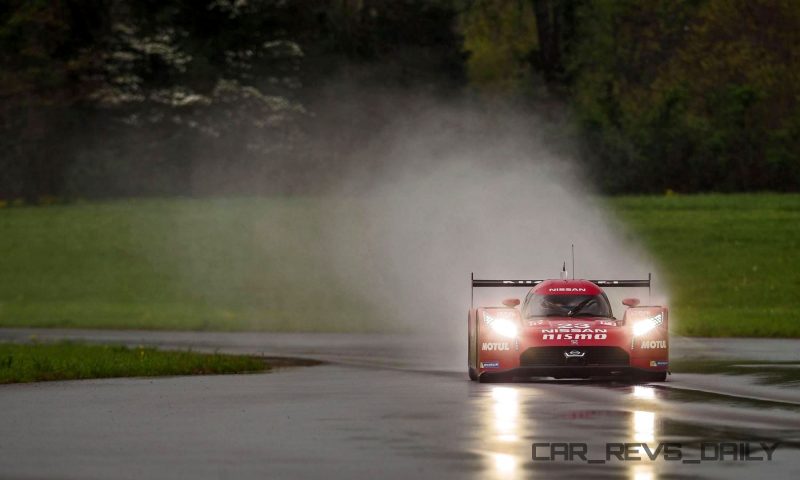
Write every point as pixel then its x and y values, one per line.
pixel 566 329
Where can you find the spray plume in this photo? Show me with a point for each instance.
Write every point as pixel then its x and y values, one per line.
pixel 454 190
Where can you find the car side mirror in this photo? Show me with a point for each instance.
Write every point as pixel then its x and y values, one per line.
pixel 630 302
pixel 511 302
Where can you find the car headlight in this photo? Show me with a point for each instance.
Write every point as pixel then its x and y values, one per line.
pixel 502 326
pixel 644 326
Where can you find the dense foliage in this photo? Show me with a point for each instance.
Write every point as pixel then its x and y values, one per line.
pixel 124 97
pixel 687 95
pixel 691 95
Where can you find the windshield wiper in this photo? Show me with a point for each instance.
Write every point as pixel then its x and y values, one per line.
pixel 577 308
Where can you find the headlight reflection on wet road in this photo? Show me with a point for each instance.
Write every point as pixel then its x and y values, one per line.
pixel 644 426
pixel 643 472
pixel 504 424
pixel 509 425
pixel 504 464
pixel 505 413
pixel 644 393
pixel 643 430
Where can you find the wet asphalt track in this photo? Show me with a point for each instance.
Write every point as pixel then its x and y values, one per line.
pixel 385 407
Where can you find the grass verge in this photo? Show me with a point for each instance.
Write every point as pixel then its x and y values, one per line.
pixel 71 361
pixel 174 264
pixel 732 262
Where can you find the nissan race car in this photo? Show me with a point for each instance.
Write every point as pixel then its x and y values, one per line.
pixel 566 329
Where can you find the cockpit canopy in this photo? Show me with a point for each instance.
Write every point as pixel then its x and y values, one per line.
pixel 547 305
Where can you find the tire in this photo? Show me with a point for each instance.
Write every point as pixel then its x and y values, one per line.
pixel 492 378
pixel 473 374
pixel 646 377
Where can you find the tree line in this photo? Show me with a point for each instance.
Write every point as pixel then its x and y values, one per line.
pixel 144 97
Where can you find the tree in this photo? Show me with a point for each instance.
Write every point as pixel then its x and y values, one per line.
pixel 499 37
pixel 44 54
pixel 555 27
pixel 689 95
pixel 164 87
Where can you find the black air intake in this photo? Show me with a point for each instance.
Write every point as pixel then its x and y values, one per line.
pixel 555 356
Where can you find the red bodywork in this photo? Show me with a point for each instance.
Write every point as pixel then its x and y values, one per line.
pixel 567 347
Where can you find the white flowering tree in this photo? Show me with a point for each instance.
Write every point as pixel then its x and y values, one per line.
pixel 198 87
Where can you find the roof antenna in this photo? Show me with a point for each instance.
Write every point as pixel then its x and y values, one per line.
pixel 564 271
pixel 573 261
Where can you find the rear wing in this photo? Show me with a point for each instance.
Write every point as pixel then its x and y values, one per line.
pixel 532 283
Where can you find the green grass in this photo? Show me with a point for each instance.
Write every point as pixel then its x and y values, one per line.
pixel 172 264
pixel 732 261
pixel 70 361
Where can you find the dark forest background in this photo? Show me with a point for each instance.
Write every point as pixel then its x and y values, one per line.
pixel 192 97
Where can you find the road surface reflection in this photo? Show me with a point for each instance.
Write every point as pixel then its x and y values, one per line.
pixel 510 416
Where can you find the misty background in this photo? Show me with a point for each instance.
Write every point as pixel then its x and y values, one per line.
pixel 345 164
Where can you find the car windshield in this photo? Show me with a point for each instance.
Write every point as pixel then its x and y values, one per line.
pixel 537 305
